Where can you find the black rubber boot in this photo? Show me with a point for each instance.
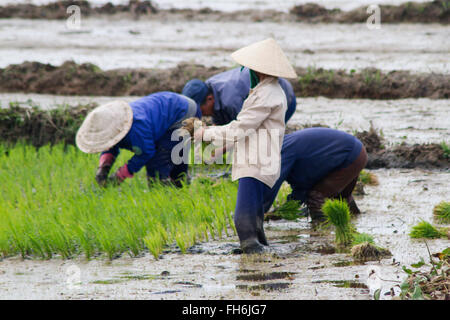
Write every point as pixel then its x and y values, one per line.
pixel 260 231
pixel 252 246
pixel 354 210
pixel 314 203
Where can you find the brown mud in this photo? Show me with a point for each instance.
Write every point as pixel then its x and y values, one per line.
pixel 40 127
pixel 426 156
pixel 87 79
pixel 411 12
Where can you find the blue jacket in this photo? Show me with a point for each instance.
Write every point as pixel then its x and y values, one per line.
pixel 153 116
pixel 308 155
pixel 232 87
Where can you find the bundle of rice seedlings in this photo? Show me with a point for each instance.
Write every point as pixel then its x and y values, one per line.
pixel 368 178
pixel 441 212
pixel 425 230
pixel 337 214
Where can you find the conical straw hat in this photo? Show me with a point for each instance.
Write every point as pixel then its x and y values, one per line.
pixel 104 127
pixel 266 57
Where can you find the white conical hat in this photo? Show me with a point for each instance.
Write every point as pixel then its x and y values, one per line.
pixel 104 127
pixel 266 57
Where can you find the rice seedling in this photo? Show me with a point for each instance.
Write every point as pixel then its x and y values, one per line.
pixel 51 205
pixel 359 238
pixel 368 178
pixel 365 249
pixel 288 210
pixel 426 230
pixel 337 214
pixel 441 212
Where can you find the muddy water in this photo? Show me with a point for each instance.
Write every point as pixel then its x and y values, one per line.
pixel 409 120
pixel 304 268
pixel 233 5
pixel 112 44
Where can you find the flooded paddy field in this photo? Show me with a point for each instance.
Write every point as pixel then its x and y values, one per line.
pixel 124 43
pixel 305 263
pixel 305 266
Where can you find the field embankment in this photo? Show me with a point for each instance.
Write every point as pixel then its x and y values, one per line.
pixel 87 79
pixel 409 12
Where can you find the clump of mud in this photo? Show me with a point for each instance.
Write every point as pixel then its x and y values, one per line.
pixel 58 9
pixel 368 252
pixel 87 79
pixel 437 11
pixel 425 156
pixel 401 156
pixel 415 12
pixel 371 140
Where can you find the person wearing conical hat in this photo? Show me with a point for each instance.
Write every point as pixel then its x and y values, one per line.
pixel 319 163
pixel 223 94
pixel 255 165
pixel 144 127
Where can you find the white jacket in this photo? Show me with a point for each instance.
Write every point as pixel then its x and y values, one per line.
pixel 257 133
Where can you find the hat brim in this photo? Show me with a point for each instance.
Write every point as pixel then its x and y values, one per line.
pixel 104 127
pixel 265 57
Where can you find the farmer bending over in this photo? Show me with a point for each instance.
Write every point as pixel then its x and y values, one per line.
pixel 223 95
pixel 319 163
pixel 262 115
pixel 143 126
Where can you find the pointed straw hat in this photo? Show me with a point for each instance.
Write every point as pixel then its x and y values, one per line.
pixel 104 127
pixel 266 57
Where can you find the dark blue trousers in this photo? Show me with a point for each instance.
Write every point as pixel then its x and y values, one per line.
pixel 161 164
pixel 290 110
pixel 249 212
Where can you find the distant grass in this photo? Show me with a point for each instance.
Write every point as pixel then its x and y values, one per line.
pixel 441 212
pixel 425 230
pixel 51 205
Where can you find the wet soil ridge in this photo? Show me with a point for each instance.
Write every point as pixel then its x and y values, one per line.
pixel 426 156
pixel 58 9
pixel 88 79
pixel 416 12
pixel 59 125
pixel 437 11
pixel 40 127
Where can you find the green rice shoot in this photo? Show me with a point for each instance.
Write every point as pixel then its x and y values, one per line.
pixel 359 238
pixel 426 230
pixel 52 206
pixel 441 212
pixel 337 214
